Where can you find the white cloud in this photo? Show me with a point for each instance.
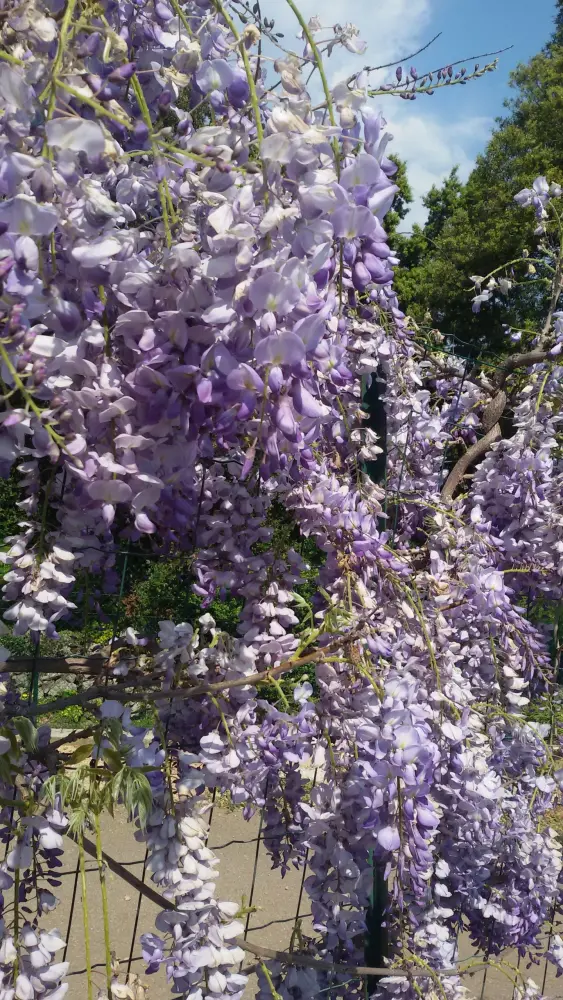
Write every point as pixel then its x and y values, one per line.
pixel 431 147
pixel 391 30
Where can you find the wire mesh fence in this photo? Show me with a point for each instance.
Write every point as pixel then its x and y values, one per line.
pixel 279 908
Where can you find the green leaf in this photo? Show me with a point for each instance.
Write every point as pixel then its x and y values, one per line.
pixel 76 788
pixel 27 732
pixel 114 730
pixel 114 788
pixel 81 753
pixel 78 820
pixel 10 735
pixel 49 789
pixel 5 769
pixel 300 601
pixel 113 759
pixel 140 800
pixel 307 639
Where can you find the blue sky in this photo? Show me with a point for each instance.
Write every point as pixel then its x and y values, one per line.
pixel 434 133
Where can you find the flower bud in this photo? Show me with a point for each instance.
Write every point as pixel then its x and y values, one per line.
pixel 95 82
pixel 163 12
pixel 124 72
pixel 23 361
pixel 360 276
pixel 140 132
pixel 347 118
pixel 91 45
pixel 6 263
pixel 321 277
pixel 67 313
pixel 268 323
pixel 39 371
pixel 42 183
pixel 185 125
pixel 188 57
pixel 349 252
pixel 275 379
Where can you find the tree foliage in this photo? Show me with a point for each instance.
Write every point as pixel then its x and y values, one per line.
pixel 473 228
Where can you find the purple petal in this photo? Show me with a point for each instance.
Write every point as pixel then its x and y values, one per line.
pixel 353 220
pixel 110 491
pixel 381 201
pixel 306 403
pixel 79 135
pixel 275 350
pixel 275 293
pixel 389 838
pixel 365 170
pixel 244 377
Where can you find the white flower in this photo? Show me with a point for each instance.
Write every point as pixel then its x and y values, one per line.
pixel 44 28
pixel 24 989
pixel 79 135
pixel 52 941
pixel 97 252
pixel 25 216
pixel 20 857
pixel 302 692
pixel 15 94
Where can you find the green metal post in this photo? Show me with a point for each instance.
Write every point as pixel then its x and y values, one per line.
pixel 377 938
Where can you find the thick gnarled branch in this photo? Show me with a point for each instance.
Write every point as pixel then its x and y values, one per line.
pixel 491 418
pixel 472 455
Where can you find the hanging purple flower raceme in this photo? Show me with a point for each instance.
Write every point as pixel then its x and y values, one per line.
pixel 196 282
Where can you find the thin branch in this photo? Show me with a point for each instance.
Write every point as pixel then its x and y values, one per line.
pixel 127 876
pixel 292 959
pixel 447 372
pixel 118 693
pixel 73 737
pixel 556 292
pixel 396 62
pixel 468 59
pixel 92 665
pixel 307 961
pixel 318 60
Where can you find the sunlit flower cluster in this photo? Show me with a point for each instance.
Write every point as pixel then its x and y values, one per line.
pixel 196 287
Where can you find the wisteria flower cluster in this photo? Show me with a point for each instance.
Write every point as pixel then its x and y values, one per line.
pixel 196 288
